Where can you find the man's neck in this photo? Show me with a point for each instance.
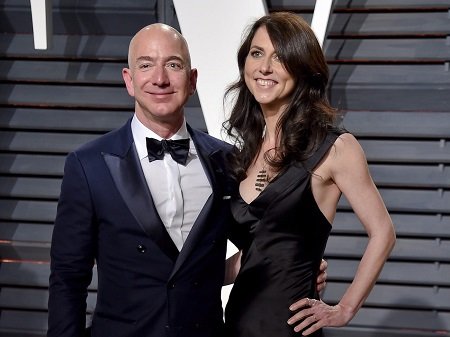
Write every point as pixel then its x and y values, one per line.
pixel 164 129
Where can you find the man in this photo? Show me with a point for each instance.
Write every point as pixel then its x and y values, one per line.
pixel 156 228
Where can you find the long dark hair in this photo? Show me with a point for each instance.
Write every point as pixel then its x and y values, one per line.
pixel 307 118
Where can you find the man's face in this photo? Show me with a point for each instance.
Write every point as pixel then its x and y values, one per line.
pixel 159 77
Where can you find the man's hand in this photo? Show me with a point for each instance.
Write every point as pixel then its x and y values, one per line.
pixel 322 277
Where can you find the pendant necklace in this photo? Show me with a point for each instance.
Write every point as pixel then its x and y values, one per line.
pixel 262 178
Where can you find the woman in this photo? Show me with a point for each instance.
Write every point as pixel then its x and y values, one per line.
pixel 293 164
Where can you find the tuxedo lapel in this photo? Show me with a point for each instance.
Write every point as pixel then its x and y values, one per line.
pixel 212 163
pixel 210 157
pixel 195 234
pixel 129 179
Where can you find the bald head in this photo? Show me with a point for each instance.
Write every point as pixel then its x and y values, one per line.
pixel 160 77
pixel 160 32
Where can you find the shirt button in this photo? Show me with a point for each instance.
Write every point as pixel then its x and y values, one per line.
pixel 141 248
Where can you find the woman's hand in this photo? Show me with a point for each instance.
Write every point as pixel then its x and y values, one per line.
pixel 312 315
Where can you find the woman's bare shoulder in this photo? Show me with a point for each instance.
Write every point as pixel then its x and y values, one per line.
pixel 347 145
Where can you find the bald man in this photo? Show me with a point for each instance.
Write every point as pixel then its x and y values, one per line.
pixel 148 203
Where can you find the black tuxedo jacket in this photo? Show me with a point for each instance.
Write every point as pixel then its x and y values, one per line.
pixel 146 287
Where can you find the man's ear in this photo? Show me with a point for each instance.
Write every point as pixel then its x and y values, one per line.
pixel 128 79
pixel 193 80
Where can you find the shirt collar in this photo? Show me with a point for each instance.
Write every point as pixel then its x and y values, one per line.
pixel 141 132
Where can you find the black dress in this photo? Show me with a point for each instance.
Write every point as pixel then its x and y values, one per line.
pixel 282 234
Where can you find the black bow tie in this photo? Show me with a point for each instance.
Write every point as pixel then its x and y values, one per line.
pixel 178 149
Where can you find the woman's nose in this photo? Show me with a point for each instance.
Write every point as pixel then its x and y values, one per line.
pixel 266 65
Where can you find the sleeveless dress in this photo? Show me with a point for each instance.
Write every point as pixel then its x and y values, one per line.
pixel 282 234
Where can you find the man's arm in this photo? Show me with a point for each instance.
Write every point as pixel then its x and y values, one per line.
pixel 232 266
pixel 322 277
pixel 72 254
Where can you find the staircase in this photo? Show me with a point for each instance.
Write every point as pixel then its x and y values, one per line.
pixel 389 62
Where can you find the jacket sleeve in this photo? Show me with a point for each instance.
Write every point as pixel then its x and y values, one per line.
pixel 72 254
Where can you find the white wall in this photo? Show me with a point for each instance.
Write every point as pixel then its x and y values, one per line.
pixel 213 29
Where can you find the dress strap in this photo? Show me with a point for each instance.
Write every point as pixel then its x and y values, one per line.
pixel 323 148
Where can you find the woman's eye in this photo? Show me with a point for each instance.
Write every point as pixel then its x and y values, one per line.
pixel 255 53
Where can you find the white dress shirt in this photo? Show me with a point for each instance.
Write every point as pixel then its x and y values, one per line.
pixel 179 192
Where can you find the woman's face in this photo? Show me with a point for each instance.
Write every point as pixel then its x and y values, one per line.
pixel 265 75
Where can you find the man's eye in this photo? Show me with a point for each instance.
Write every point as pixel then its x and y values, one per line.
pixel 144 66
pixel 174 65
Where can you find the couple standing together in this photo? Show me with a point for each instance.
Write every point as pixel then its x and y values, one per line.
pixel 153 202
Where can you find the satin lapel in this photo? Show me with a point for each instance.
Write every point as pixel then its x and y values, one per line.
pixel 130 181
pixel 212 164
pixel 195 235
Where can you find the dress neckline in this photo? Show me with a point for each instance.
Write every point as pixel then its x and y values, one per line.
pixel 268 186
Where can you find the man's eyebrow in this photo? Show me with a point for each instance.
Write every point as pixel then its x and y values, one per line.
pixel 144 58
pixel 170 58
pixel 175 58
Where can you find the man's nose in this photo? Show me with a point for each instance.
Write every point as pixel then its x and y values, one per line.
pixel 160 76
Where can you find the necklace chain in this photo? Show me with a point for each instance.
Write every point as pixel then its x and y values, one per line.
pixel 262 177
